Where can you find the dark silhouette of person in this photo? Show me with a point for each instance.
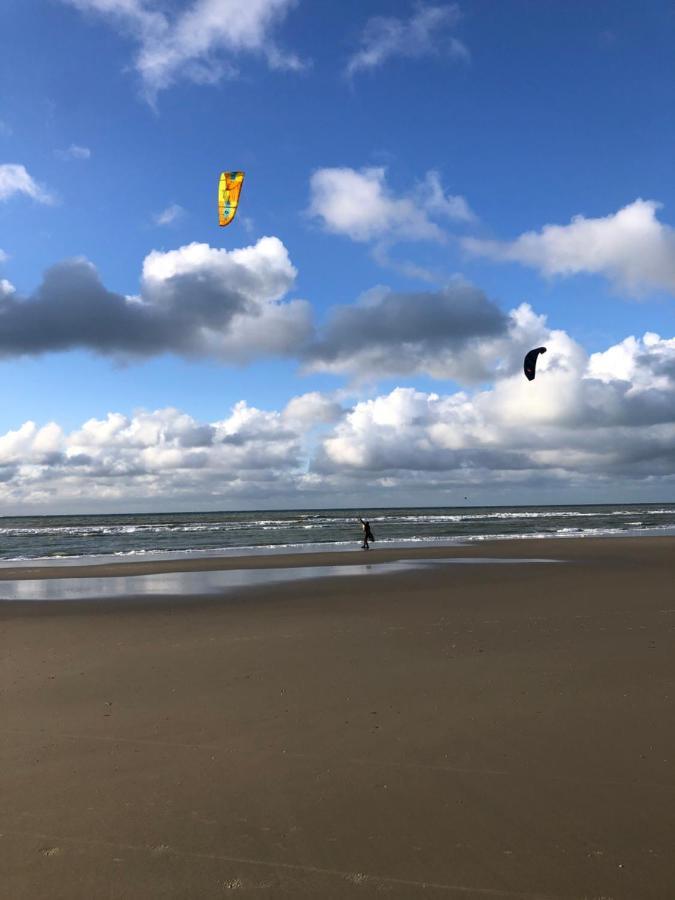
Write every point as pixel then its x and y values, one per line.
pixel 367 534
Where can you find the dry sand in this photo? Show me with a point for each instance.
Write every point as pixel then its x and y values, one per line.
pixel 460 731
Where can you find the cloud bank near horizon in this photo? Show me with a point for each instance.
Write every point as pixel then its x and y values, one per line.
pixel 586 422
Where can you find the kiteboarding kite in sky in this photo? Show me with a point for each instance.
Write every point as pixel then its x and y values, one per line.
pixel 229 188
pixel 530 364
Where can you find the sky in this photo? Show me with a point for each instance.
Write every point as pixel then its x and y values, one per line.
pixel 431 190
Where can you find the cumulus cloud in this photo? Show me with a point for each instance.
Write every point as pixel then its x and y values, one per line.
pixel 608 416
pixel 15 179
pixel 441 334
pixel 314 408
pixel 426 33
pixel 163 454
pixel 196 301
pixel 360 205
pixel 73 152
pixel 604 420
pixel 199 42
pixel 202 302
pixel 169 215
pixel 631 248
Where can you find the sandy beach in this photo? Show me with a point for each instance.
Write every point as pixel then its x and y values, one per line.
pixel 446 730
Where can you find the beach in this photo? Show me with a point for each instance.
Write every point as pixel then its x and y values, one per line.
pixel 493 720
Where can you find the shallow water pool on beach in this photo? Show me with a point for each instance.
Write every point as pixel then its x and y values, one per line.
pixel 199 584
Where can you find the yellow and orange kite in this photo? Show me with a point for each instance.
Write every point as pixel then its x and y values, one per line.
pixel 229 188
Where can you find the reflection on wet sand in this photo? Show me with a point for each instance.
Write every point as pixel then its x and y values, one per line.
pixel 191 584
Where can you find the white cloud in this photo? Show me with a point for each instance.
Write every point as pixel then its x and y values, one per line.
pixel 197 301
pixel 6 288
pixel 425 33
pixel 605 421
pixel 169 215
pixel 202 302
pixel 610 416
pixel 199 42
pixel 263 269
pixel 73 152
pixel 360 205
pixel 436 202
pixel 28 443
pixel 3 256
pixel 15 179
pixel 165 453
pixel 313 408
pixel 631 248
pixel 5 129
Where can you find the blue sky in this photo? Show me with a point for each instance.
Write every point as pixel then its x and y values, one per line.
pixel 460 127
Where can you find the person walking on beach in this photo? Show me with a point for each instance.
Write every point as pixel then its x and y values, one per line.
pixel 367 534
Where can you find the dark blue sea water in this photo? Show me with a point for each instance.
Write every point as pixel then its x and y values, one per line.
pixel 44 537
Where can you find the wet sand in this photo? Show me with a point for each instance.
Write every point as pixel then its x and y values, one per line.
pixel 445 731
pixel 652 550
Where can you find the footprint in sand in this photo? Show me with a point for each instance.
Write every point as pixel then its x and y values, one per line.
pixel 236 884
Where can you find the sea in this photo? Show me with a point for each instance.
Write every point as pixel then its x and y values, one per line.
pixel 162 535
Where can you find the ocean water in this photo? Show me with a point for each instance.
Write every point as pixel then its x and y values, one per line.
pixel 269 531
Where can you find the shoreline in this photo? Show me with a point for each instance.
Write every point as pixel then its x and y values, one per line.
pixel 566 549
